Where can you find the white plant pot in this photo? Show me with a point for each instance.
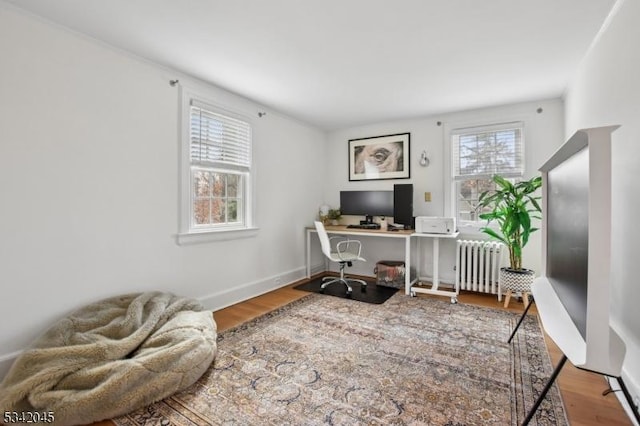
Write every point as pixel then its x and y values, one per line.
pixel 516 280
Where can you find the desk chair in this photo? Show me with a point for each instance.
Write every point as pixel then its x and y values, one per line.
pixel 346 251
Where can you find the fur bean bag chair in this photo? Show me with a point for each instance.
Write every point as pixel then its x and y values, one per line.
pixel 112 357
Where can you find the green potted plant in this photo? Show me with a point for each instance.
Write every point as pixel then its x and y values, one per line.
pixel 512 206
pixel 334 215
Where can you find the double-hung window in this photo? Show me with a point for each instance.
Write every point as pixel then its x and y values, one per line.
pixel 479 153
pixel 219 175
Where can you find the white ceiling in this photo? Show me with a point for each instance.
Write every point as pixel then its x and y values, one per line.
pixel 341 63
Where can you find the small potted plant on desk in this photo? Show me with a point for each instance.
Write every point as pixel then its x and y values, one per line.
pixel 334 216
pixel 512 208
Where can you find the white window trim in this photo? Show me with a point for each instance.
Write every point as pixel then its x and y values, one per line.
pixel 186 233
pixel 469 227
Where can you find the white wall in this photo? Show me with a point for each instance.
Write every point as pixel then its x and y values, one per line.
pixel 89 185
pixel 544 133
pixel 606 90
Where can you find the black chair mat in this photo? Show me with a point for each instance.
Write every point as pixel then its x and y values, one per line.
pixel 371 293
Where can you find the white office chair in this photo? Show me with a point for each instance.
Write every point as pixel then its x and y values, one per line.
pixel 346 251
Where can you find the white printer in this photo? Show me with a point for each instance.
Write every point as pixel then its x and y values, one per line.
pixel 435 225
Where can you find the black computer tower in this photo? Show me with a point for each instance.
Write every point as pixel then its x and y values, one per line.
pixel 403 205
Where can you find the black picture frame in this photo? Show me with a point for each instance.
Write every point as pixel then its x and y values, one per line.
pixel 380 157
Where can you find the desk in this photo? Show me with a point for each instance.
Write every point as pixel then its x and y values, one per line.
pixel 408 236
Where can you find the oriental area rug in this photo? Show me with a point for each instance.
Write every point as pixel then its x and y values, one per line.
pixel 323 360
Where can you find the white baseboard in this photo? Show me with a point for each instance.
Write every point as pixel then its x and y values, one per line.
pixel 222 299
pixel 632 387
pixel 630 373
pixel 316 269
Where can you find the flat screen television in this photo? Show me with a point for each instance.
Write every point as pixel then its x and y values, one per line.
pixel 366 203
pixel 573 294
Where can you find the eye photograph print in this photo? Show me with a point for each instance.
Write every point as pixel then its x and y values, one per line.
pixel 379 157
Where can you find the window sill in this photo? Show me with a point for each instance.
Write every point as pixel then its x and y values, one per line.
pixel 472 229
pixel 213 236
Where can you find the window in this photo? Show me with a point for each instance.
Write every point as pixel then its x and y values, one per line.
pixel 217 176
pixel 478 153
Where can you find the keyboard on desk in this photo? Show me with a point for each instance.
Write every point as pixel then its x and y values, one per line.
pixel 365 226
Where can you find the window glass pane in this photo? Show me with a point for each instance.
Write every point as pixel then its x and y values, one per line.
pixel 468 193
pixel 219 185
pixel 233 185
pixel 218 211
pixel 201 211
pixel 201 183
pixel 232 205
pixel 468 155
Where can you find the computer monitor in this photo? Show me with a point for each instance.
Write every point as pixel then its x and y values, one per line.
pixel 366 203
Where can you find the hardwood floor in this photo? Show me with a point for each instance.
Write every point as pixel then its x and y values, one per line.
pixel 581 390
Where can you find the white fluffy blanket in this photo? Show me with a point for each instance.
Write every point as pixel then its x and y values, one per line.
pixel 112 357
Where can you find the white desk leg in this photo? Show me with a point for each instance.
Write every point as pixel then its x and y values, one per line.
pixel 419 258
pixel 407 265
pixel 308 254
pixel 436 258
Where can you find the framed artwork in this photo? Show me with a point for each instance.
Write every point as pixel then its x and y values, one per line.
pixel 379 157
